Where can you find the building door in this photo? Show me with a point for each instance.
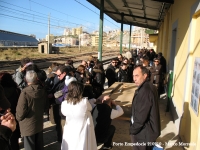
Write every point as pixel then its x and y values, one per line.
pixel 42 48
pixel 173 50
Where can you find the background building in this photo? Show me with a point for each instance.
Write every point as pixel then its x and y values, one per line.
pixel 50 37
pixel 15 39
pixel 67 31
pixel 139 38
pixel 77 31
pixel 69 41
pixel 85 39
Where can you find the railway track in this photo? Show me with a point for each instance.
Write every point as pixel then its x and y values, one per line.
pixel 43 63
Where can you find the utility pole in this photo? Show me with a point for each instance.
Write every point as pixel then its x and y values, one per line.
pixel 130 37
pixel 79 43
pixel 48 34
pixel 121 34
pixel 140 37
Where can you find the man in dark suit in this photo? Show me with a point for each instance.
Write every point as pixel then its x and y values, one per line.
pixel 145 120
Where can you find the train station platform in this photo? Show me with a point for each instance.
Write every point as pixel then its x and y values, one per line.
pixel 169 137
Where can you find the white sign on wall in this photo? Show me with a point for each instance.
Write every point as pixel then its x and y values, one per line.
pixel 195 96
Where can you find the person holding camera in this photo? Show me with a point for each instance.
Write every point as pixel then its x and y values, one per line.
pixel 103 112
pixel 7 122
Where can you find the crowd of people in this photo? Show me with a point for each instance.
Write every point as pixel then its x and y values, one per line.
pixel 71 98
pixel 121 68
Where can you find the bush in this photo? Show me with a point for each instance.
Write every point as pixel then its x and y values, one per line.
pixel 18 53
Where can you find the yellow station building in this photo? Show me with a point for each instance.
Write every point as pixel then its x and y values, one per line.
pixel 179 41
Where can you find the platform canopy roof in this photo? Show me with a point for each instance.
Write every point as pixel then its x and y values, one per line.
pixel 141 13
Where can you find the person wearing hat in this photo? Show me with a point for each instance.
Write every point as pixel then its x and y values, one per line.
pixel 156 74
pixel 7 120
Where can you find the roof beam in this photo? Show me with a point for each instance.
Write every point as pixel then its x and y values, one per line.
pixel 130 12
pixel 139 25
pixel 165 1
pixel 133 16
pixel 113 6
pixel 144 9
pixel 161 13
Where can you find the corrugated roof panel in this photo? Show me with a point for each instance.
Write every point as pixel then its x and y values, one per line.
pixel 136 12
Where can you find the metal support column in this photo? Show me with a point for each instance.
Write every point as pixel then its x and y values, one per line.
pixel 101 31
pixel 121 35
pixel 130 37
pixel 48 48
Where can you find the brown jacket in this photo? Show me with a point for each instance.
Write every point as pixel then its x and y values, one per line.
pixel 30 108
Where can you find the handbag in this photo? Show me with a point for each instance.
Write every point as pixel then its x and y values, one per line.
pixel 58 94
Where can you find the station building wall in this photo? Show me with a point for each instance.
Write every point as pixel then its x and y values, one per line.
pixel 179 41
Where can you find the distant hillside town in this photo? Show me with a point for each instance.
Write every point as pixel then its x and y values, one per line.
pixel 76 36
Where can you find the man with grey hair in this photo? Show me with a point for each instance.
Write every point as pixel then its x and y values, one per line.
pixel 145 119
pixel 29 112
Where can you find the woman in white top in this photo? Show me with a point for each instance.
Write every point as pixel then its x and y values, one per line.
pixel 79 129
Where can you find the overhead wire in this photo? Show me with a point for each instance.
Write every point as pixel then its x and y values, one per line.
pixel 94 12
pixel 65 14
pixel 71 15
pixel 45 16
pixel 31 20
pixel 59 11
pixel 52 18
pixel 33 15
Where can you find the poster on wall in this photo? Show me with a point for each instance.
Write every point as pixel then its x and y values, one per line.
pixel 195 96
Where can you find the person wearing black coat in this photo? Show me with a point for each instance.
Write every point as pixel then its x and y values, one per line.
pixel 12 93
pixel 111 72
pixel 7 122
pixel 122 74
pixel 152 55
pixel 145 119
pixel 55 111
pixel 98 80
pixel 156 74
pixel 162 62
pixel 134 55
pixel 80 74
pixel 102 114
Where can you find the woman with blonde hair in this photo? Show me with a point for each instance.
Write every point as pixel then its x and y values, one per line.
pixel 79 128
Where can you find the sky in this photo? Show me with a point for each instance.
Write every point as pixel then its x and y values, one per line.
pixel 31 17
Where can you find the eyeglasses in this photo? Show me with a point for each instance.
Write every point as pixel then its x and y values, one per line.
pixel 59 75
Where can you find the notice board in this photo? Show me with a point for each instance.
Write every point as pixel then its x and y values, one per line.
pixel 196 86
